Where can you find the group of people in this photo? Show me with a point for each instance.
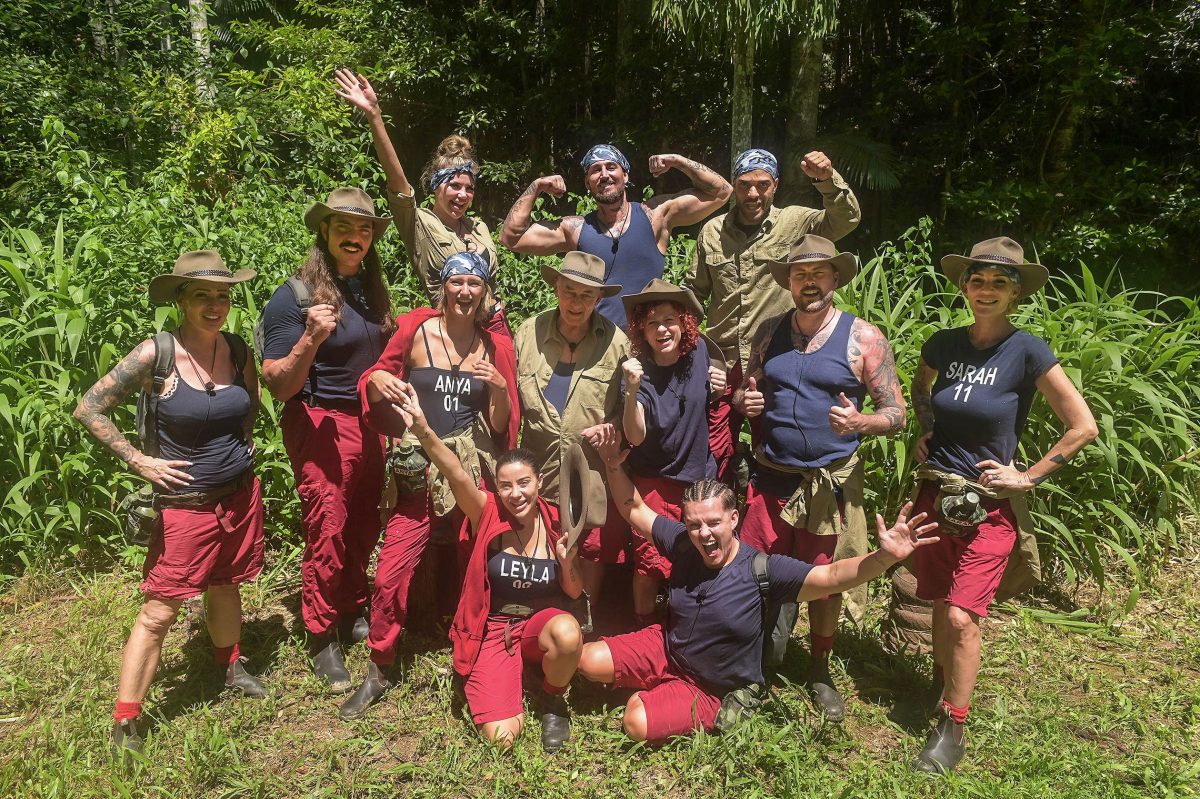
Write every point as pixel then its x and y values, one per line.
pixel 442 429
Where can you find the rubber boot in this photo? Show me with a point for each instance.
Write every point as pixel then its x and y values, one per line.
pixel 825 697
pixel 360 630
pixel 126 738
pixel 329 666
pixel 367 694
pixel 943 749
pixel 556 722
pixel 238 678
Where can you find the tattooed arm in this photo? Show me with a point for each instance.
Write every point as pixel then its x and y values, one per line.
pixel 625 495
pixel 521 234
pixel 872 360
pixel 708 193
pixel 132 374
pixel 922 402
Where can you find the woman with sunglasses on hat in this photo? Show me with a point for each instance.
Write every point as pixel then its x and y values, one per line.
pixel 465 375
pixel 972 394
pixel 312 359
pixel 210 539
pixel 520 577
pixel 666 387
pixel 430 235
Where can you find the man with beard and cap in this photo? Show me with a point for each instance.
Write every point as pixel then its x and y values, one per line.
pixel 631 238
pixel 730 273
pixel 808 373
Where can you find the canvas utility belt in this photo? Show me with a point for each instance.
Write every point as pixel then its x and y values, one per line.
pixel 580 608
pixel 197 499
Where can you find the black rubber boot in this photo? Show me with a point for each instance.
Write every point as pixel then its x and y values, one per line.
pixel 824 695
pixel 126 738
pixel 329 666
pixel 556 722
pixel 360 629
pixel 367 694
pixel 238 678
pixel 943 749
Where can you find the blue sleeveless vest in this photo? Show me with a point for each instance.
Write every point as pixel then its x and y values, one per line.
pixel 631 261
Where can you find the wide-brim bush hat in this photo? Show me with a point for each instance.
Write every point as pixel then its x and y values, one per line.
pixel 348 201
pixel 195 265
pixel 1001 253
pixel 582 268
pixel 659 290
pixel 812 249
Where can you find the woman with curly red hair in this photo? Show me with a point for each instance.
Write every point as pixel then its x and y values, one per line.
pixel 667 386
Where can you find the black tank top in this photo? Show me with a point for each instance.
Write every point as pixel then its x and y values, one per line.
pixel 206 430
pixel 516 579
pixel 451 398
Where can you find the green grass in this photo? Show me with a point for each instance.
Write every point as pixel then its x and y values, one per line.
pixel 1079 696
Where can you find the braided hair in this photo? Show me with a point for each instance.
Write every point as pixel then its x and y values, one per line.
pixel 702 490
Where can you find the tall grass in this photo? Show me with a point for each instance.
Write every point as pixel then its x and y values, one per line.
pixel 75 304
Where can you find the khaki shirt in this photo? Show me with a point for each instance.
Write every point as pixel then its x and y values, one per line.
pixel 730 269
pixel 594 395
pixel 429 242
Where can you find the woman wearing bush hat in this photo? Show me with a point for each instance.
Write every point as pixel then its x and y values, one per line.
pixel 465 376
pixel 430 235
pixel 197 453
pixel 972 394
pixel 667 385
pixel 313 355
pixel 567 359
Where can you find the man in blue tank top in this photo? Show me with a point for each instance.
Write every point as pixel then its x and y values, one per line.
pixel 808 373
pixel 631 238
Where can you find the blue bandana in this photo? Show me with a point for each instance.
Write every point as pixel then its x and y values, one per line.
pixel 756 159
pixel 466 263
pixel 447 174
pixel 605 152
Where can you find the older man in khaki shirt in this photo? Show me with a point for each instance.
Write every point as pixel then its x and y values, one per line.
pixel 730 269
pixel 567 360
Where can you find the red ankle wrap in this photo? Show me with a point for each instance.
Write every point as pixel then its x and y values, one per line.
pixel 127 710
pixel 959 714
pixel 553 690
pixel 224 655
pixel 820 645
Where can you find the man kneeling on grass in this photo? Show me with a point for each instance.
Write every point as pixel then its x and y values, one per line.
pixel 710 649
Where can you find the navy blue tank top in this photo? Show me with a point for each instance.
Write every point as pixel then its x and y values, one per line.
pixel 516 579
pixel 451 398
pixel 630 261
pixel 799 389
pixel 559 386
pixel 206 430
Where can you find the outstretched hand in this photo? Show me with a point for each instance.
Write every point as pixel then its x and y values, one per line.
pixel 899 540
pixel 610 451
pixel 409 408
pixel 356 90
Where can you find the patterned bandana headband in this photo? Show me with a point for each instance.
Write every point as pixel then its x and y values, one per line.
pixel 751 160
pixel 466 263
pixel 446 175
pixel 605 152
pixel 1012 274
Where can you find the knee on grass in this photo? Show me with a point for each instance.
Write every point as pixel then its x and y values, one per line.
pixel 502 733
pixel 634 720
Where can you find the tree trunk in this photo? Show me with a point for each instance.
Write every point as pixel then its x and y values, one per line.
pixel 99 39
pixel 803 93
pixel 198 15
pixel 741 129
pixel 164 10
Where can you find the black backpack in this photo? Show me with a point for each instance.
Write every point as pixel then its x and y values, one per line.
pixel 303 295
pixel 164 362
pixel 778 618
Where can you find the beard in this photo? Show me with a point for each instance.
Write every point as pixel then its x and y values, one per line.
pixel 612 197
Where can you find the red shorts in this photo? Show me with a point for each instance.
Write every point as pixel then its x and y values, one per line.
pixel 493 687
pixel 216 544
pixel 606 544
pixel 663 496
pixel 675 705
pixel 965 570
pixel 765 531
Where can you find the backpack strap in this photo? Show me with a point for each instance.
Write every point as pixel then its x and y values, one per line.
pixel 147 412
pixel 239 351
pixel 300 291
pixel 760 565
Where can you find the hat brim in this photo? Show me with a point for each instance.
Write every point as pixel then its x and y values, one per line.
pixel 682 296
pixel 163 287
pixel 318 212
pixel 551 276
pixel 573 494
pixel 1033 276
pixel 716 358
pixel 846 264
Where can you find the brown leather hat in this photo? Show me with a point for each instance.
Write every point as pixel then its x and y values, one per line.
pixel 349 201
pixel 813 249
pixel 194 265
pixel 659 290
pixel 1001 253
pixel 582 268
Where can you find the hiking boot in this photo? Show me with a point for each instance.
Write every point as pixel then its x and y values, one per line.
pixel 360 629
pixel 825 697
pixel 943 749
pixel 126 739
pixel 329 666
pixel 237 677
pixel 367 694
pixel 556 722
